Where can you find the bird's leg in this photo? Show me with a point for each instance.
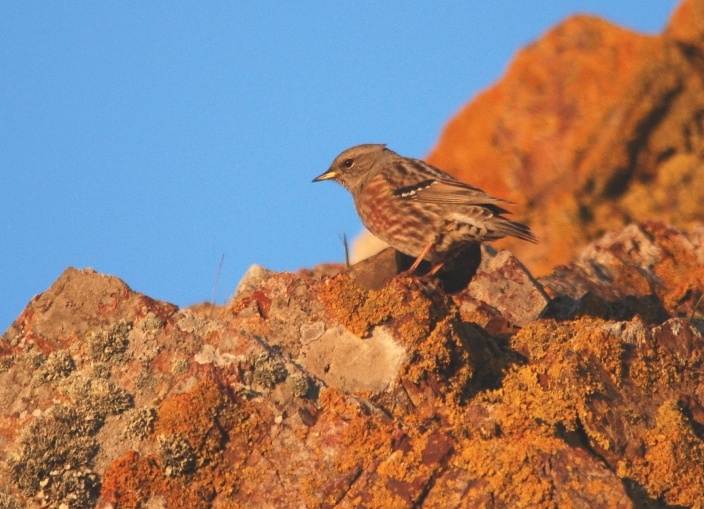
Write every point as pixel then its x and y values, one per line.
pixel 435 269
pixel 425 251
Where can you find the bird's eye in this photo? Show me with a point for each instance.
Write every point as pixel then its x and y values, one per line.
pixel 347 163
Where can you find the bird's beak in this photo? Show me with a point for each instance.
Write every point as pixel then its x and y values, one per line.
pixel 330 174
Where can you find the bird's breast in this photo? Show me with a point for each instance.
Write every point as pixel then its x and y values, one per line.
pixel 373 204
pixel 404 224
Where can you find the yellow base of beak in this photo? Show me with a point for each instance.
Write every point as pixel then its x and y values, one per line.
pixel 330 174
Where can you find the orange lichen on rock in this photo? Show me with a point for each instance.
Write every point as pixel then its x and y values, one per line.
pixel 131 480
pixel 681 271
pixel 201 419
pixel 366 439
pixel 403 476
pixel 672 468
pixel 196 416
pixel 596 404
pixel 565 394
pixel 393 466
pixel 531 472
pixel 434 354
pixel 360 310
pixel 432 332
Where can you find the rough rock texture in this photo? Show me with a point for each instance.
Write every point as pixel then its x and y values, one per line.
pixel 308 390
pixel 592 127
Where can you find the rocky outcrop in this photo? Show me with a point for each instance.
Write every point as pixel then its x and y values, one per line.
pixel 486 387
pixel 592 127
pixel 356 389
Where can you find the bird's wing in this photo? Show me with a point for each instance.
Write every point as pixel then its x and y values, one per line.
pixel 417 180
pixel 455 192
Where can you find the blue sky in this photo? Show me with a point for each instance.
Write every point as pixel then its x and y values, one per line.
pixel 146 139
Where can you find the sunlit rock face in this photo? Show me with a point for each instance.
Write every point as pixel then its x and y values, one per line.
pixel 358 387
pixel 592 127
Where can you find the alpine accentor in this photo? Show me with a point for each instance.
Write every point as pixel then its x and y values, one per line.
pixel 417 208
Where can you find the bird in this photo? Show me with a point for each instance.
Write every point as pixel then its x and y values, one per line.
pixel 417 208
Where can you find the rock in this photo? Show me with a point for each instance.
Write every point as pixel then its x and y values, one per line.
pixel 311 387
pixel 374 272
pixel 592 127
pixel 365 246
pixel 343 360
pixel 504 284
pixel 251 280
pixel 648 268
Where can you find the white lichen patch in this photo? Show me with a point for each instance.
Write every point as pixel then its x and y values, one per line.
pixel 179 366
pixel 176 454
pixel 58 366
pixel 268 370
pixel 96 394
pixel 631 333
pixel 140 422
pixel 53 457
pixel 211 355
pixel 151 323
pixel 299 384
pixel 110 345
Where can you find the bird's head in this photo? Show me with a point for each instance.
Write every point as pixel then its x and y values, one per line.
pixel 352 167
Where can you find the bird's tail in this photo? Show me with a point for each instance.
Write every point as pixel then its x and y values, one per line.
pixel 506 228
